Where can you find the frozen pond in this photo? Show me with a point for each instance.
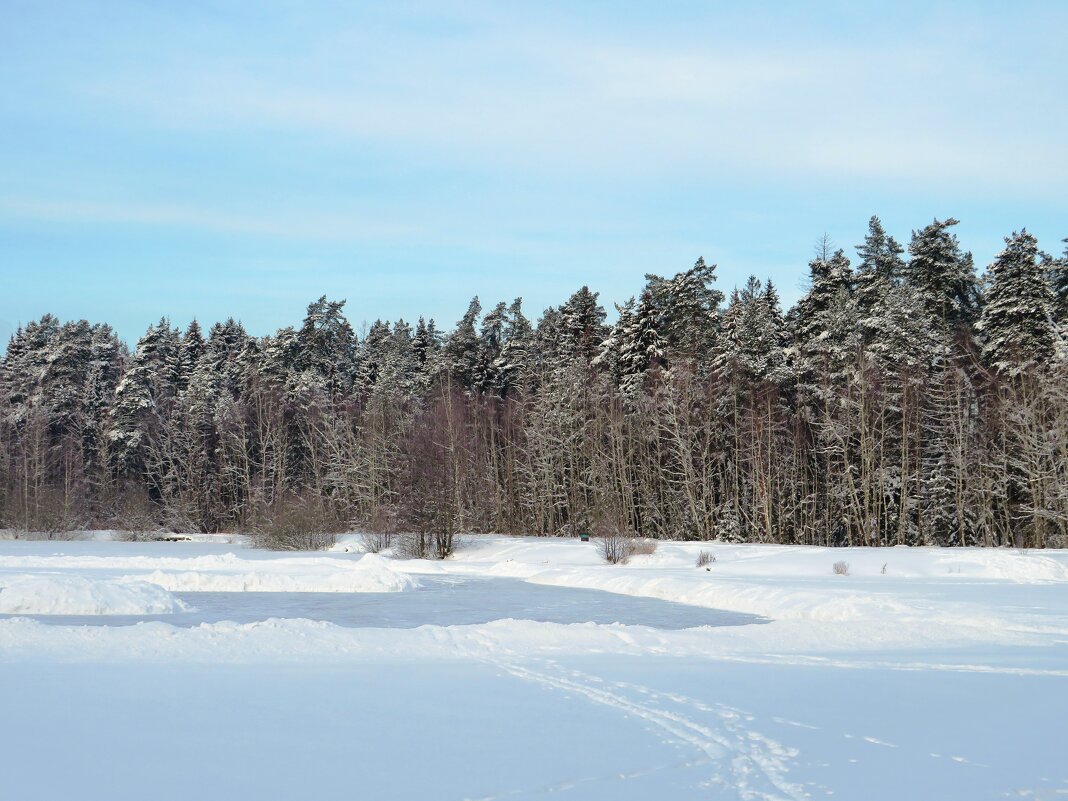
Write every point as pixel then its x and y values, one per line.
pixel 438 601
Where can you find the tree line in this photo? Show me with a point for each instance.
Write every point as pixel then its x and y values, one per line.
pixel 904 399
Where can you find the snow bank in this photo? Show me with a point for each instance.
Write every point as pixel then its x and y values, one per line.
pixel 779 603
pixel 76 595
pixel 370 574
pixel 225 572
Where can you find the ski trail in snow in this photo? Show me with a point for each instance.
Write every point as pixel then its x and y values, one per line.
pixel 756 765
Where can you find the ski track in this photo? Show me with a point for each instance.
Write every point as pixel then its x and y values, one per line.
pixel 756 765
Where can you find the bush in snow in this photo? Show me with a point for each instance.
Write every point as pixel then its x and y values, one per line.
pixel 50 516
pixel 412 545
pixel 642 547
pixel 705 558
pixel 615 545
pixel 380 530
pixel 299 523
pixel 841 568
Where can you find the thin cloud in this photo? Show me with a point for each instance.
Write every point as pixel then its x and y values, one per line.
pixel 317 227
pixel 521 100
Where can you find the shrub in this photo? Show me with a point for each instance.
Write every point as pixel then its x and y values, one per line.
pixel 380 530
pixel 413 545
pixel 705 558
pixel 425 545
pixel 841 568
pixel 47 516
pixel 642 547
pixel 613 543
pixel 297 524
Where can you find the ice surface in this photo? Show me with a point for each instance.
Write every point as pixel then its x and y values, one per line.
pixel 438 601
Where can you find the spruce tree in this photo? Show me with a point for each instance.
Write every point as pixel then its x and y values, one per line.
pixel 1016 325
pixel 426 350
pixel 189 353
pixel 581 327
pixel 463 349
pixel 514 364
pixel 752 337
pixel 881 268
pixel 372 358
pixel 825 319
pixel 641 346
pixel 143 400
pixel 943 274
pixel 686 308
pixel 1058 279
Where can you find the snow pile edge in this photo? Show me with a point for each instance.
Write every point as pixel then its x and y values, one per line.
pixel 76 595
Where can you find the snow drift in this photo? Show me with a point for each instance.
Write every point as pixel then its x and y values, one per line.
pixel 369 574
pixel 76 595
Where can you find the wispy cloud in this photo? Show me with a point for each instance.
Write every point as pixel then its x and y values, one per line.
pixel 528 99
pixel 287 225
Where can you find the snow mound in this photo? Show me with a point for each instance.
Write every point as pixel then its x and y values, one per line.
pixel 369 574
pixel 75 595
pixel 779 603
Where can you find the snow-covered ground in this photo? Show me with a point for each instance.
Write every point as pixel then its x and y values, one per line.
pixel 922 673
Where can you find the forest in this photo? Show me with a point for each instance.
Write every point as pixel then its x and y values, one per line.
pixel 906 398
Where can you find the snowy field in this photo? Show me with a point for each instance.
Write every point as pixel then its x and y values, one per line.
pixel 525 669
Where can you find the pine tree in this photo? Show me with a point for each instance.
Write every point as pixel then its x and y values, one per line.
pixel 327 344
pixel 1017 324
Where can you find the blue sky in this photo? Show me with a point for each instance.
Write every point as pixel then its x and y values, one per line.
pixel 211 159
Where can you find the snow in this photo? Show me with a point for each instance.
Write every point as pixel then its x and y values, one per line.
pixel 226 572
pixel 74 595
pixel 944 676
pixel 370 574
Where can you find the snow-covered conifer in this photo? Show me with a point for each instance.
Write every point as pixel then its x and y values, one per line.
pixel 1016 325
pixel 463 349
pixel 943 274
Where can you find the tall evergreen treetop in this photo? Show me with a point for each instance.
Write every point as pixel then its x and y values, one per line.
pixel 944 275
pixel 752 336
pixel 1016 324
pixel 824 319
pixel 881 266
pixel 1058 278
pixel 514 364
pixel 686 310
pixel 327 344
pixel 463 348
pixel 582 328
